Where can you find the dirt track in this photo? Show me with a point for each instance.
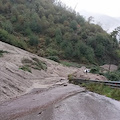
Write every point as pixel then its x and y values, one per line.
pixel 36 100
pixel 60 103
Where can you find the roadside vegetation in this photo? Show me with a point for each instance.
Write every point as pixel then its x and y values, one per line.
pixel 113 76
pixel 103 90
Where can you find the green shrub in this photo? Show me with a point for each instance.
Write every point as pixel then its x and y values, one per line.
pixel 1 52
pixel 113 76
pixel 35 64
pixel 11 39
pixel 51 52
pixel 95 70
pixel 33 40
pixel 71 64
pixel 70 77
pixel 118 67
pixel 54 58
pixel 25 68
pixel 38 64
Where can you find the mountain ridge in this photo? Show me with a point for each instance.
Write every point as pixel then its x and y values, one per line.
pixel 108 23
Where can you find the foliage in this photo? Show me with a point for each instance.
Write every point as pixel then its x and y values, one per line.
pixel 1 52
pixel 95 70
pixel 38 64
pixel 51 52
pixel 103 90
pixel 70 77
pixel 11 39
pixel 54 58
pixel 113 76
pixel 33 40
pixel 56 30
pixel 71 64
pixel 35 63
pixel 25 68
pixel 73 25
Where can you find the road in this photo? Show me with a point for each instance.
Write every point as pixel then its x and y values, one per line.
pixel 61 103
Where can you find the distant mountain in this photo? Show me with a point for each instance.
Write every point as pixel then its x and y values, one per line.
pixel 108 23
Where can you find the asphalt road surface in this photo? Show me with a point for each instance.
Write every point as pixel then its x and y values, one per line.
pixel 61 103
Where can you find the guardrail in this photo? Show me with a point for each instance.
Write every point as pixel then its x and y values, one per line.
pixel 109 83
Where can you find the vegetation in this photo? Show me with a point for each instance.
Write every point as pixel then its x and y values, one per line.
pixel 103 90
pixel 113 76
pixel 34 63
pixel 70 77
pixel 71 64
pixel 1 52
pixel 39 65
pixel 54 58
pixel 49 28
pixel 26 68
pixel 95 70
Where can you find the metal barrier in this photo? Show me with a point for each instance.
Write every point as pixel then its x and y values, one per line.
pixel 109 83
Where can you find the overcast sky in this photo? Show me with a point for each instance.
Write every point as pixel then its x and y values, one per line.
pixel 107 7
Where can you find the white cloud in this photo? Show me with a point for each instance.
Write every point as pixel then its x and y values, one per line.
pixel 108 7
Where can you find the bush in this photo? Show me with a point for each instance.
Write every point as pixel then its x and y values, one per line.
pixel 33 40
pixel 34 63
pixel 38 64
pixel 118 67
pixel 11 39
pixel 113 76
pixel 54 58
pixel 25 68
pixel 1 52
pixel 95 70
pixel 71 64
pixel 51 52
pixel 70 77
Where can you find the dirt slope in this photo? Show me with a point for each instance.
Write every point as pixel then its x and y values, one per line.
pixel 15 82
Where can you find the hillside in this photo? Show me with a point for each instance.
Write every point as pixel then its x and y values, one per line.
pixel 35 88
pixel 22 72
pixel 54 31
pixel 16 80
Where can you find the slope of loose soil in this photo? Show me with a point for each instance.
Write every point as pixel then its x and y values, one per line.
pixel 15 82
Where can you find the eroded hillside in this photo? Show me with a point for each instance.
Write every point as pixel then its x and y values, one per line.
pixel 21 71
pixel 15 77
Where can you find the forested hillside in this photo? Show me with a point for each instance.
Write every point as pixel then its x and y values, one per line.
pixel 52 30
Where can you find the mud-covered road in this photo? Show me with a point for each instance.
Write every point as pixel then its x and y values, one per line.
pixel 37 100
pixel 60 103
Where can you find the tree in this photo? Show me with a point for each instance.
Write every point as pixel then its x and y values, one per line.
pixel 69 51
pixel 58 36
pixel 73 25
pixel 7 25
pixel 115 34
pixel 33 40
pixel 100 50
pixel 90 19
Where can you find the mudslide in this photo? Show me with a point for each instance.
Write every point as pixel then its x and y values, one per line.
pixel 65 102
pixel 36 100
